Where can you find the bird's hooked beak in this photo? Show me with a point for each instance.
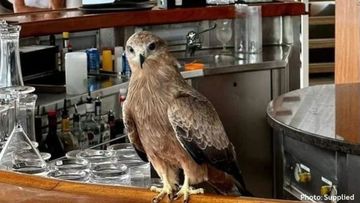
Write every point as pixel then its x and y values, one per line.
pixel 142 60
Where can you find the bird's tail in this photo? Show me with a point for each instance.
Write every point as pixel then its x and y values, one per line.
pixel 240 184
pixel 225 183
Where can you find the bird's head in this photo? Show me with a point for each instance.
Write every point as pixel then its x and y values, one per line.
pixel 143 47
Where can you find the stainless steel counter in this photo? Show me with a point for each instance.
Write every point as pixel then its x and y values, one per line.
pixel 317 142
pixel 272 57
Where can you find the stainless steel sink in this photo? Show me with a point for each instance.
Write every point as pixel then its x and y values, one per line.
pixel 209 57
pixel 273 56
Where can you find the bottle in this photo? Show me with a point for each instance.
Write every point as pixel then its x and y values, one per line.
pixel 107 62
pixel 52 42
pixel 90 126
pixel 116 128
pixel 65 48
pixel 77 131
pixel 111 122
pixel 67 138
pixel 10 67
pixel 126 67
pixel 52 143
pixel 104 126
pixel 93 61
pixel 122 97
pixel 118 60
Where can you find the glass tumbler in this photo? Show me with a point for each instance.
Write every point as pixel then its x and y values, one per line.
pixel 27 114
pixel 248 29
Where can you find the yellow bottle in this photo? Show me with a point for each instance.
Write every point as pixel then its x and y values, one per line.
pixel 107 63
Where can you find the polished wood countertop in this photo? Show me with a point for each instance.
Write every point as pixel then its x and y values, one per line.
pixel 52 22
pixel 16 187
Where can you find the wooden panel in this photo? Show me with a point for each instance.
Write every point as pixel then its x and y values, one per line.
pixel 43 23
pixel 17 187
pixel 348 112
pixel 347 43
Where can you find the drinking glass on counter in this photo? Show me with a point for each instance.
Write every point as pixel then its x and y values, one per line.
pixel 248 29
pixel 110 173
pixel 95 157
pixel 139 171
pixel 118 165
pixel 75 169
pixel 19 152
pixel 223 32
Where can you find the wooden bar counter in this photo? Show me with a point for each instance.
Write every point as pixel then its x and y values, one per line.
pixel 17 187
pixel 43 23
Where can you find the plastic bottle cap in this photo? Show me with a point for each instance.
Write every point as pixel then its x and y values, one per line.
pixel 65 34
pixel 52 113
pixel 123 91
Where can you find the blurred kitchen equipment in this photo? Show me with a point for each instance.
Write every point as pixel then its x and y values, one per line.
pixel 10 68
pixel 193 41
pixel 180 3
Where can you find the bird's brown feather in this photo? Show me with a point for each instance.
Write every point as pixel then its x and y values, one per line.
pixel 172 123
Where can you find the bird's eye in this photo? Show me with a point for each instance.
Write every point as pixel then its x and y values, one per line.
pixel 152 46
pixel 131 50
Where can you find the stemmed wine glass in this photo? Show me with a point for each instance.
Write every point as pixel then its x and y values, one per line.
pixel 223 32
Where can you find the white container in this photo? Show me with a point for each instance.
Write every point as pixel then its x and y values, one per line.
pixel 76 73
pixel 118 52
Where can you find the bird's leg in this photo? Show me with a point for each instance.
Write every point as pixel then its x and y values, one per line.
pixel 165 190
pixel 186 190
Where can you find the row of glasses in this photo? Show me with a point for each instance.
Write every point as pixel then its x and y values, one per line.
pixel 118 165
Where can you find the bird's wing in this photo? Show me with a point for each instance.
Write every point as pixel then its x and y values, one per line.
pixel 199 130
pixel 133 135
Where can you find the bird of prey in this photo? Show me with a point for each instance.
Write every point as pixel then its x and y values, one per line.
pixel 174 126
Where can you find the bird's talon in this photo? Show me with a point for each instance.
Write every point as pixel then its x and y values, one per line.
pixel 155 189
pixel 166 190
pixel 171 196
pixel 176 197
pixel 186 192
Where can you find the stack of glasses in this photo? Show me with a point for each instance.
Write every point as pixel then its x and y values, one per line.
pixel 18 152
pixel 118 165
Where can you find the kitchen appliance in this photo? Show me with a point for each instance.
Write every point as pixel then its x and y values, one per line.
pixel 180 3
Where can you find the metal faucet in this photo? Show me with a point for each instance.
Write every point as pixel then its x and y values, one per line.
pixel 193 41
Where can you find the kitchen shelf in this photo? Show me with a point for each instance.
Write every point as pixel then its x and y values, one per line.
pixel 321 43
pixel 326 67
pixel 321 20
pixel 321 23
